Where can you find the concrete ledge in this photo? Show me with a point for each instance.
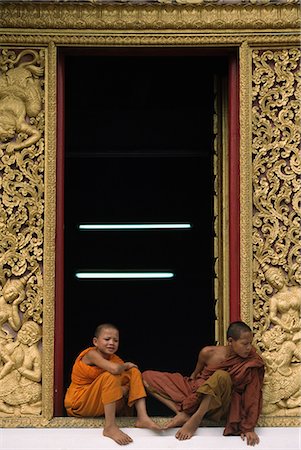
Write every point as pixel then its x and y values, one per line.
pixel 210 438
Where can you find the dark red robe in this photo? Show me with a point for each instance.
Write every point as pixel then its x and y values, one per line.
pixel 246 402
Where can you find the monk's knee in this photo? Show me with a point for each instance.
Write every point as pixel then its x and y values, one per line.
pixel 108 379
pixel 149 379
pixel 220 373
pixel 134 371
pixel 224 378
pixel 147 376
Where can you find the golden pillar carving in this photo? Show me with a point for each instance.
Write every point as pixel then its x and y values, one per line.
pixel 276 225
pixel 22 122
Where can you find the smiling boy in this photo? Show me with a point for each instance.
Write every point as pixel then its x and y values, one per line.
pixel 101 383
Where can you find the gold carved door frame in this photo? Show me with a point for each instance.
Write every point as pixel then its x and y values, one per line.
pixel 267 37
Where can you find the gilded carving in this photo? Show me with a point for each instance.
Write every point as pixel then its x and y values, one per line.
pixel 27 226
pixel 145 16
pixel 20 97
pixel 13 294
pixel 21 230
pixel 282 341
pixel 21 373
pixel 276 225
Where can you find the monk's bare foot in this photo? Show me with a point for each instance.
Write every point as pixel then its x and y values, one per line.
pixel 177 421
pixel 188 429
pixel 147 422
pixel 117 435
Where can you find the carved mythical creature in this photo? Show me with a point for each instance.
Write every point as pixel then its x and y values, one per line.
pixel 20 99
pixel 282 340
pixel 21 373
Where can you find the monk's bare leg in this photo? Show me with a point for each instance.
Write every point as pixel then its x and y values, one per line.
pixel 111 430
pixel 192 424
pixel 179 419
pixel 143 419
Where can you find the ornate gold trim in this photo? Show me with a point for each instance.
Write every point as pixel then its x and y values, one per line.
pixel 276 168
pixel 245 71
pixel 133 39
pixel 49 26
pixel 50 228
pixel 149 16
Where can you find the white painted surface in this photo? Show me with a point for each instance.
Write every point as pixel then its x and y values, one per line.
pixel 92 439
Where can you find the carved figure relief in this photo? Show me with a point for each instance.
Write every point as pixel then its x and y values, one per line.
pixel 20 100
pixel 13 293
pixel 282 341
pixel 21 231
pixel 21 372
pixel 276 226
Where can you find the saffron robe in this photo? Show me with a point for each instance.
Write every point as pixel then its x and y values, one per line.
pixel 92 387
pixel 244 407
pixel 183 391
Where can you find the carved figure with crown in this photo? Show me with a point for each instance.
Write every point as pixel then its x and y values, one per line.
pixel 282 340
pixel 20 355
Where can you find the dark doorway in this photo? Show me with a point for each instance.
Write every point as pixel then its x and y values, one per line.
pixel 139 149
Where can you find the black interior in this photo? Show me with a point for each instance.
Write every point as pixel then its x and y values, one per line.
pixel 139 149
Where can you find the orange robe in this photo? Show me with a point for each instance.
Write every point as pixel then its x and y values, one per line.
pixel 92 387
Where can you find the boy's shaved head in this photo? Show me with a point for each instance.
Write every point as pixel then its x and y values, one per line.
pixel 236 328
pixel 102 327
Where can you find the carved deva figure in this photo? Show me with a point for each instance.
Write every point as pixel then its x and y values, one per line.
pixel 282 388
pixel 13 293
pixel 285 305
pixel 21 373
pixel 282 340
pixel 20 100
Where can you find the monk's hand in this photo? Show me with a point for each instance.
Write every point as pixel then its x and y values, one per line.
pixel 130 365
pixel 251 437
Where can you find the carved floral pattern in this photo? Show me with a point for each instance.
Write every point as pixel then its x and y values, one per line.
pixel 276 224
pixel 175 14
pixel 276 169
pixel 22 124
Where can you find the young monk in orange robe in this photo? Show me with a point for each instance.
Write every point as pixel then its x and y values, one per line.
pixel 225 384
pixel 100 381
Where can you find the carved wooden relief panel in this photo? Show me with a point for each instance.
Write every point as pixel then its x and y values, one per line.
pixel 276 225
pixel 22 126
pixel 270 140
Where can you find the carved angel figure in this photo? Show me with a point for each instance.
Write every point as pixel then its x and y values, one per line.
pixel 282 389
pixel 13 293
pixel 282 340
pixel 20 99
pixel 285 305
pixel 21 373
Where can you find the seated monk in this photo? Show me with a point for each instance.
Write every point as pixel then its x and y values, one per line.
pixel 101 381
pixel 225 384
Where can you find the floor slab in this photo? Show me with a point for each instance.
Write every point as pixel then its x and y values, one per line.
pixel 91 439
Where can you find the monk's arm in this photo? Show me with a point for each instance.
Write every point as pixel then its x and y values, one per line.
pixel 201 362
pixel 94 358
pixel 252 401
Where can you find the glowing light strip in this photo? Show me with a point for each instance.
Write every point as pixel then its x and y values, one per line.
pixel 124 275
pixel 146 226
